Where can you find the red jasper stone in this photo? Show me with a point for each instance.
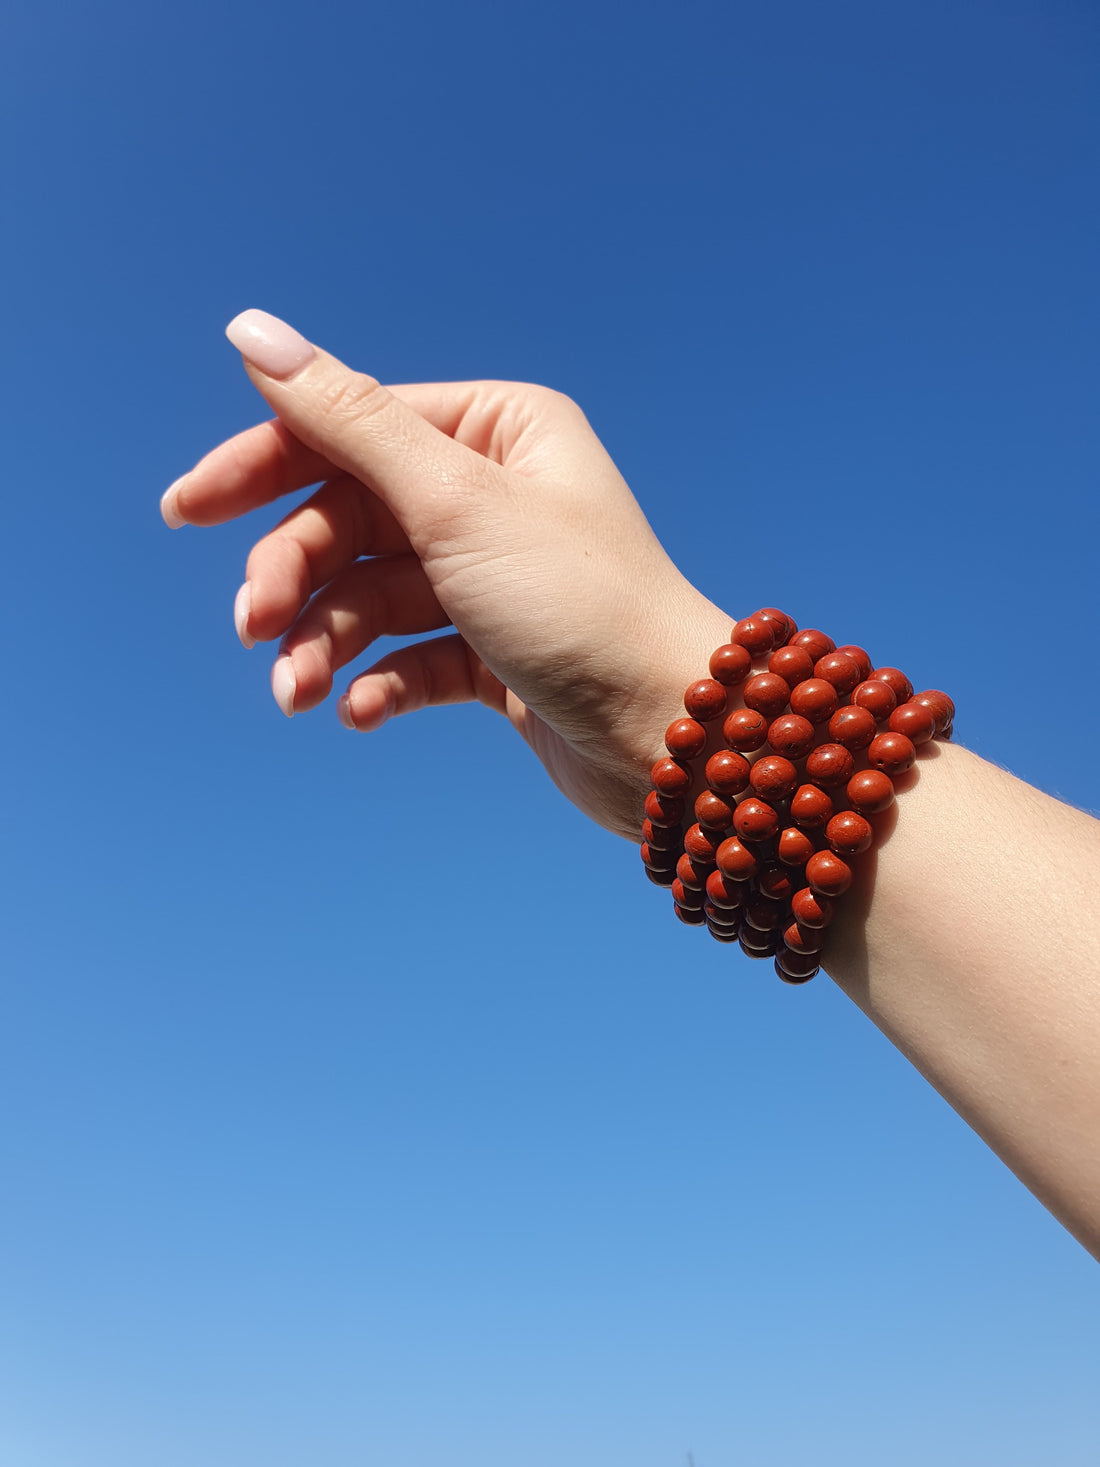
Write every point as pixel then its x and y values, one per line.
pixel 686 896
pixel 660 837
pixel 791 735
pixel 705 700
pixel 830 764
pixel 755 635
pixel 896 681
pixel 660 878
pixel 795 967
pixel 915 720
pixel 767 693
pixel 859 657
pixel 725 918
pixel 670 777
pixel 878 698
pixel 657 860
pixel 693 873
pixel 663 809
pixel 828 874
pixel 801 939
pixel 814 699
pixel 730 665
pixel 773 777
pixel 692 916
pixel 848 833
pixel 745 730
pixel 795 847
pixel 755 820
pixel 893 753
pixel 870 791
pixel 816 643
pixel 792 664
pixel 853 727
pixel 810 807
pixel 811 909
pixel 724 891
pixel 758 912
pixel 727 773
pixel 700 843
pixel 941 705
pixel 774 882
pixel 713 811
pixel 755 944
pixel 784 625
pixel 723 934
pixel 839 669
pixel 685 738
pixel 735 860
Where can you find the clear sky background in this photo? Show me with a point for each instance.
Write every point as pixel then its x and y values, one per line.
pixel 353 1115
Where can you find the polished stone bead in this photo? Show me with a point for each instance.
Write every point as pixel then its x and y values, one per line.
pixel 702 844
pixel 714 811
pixel 660 878
pixel 853 727
pixel 795 846
pixel 870 791
pixel 730 665
pixel 915 720
pixel 722 917
pixel 755 635
pixel 774 882
pixel 816 643
pixel 670 777
pixel 828 874
pixel 796 968
pixel 810 807
pixel 657 860
pixel 757 944
pixel 723 934
pixel 767 693
pixel 686 896
pixel 685 738
pixel 829 765
pixel 814 699
pixel 727 773
pixel 663 809
pixel 849 833
pixel 725 891
pixel 735 860
pixel 877 697
pixel 800 939
pixel 896 681
pixel 791 735
pixel 840 670
pixel 758 912
pixel 811 909
pixel 693 873
pixel 859 657
pixel 773 777
pixel 660 837
pixel 745 730
pixel 893 753
pixel 792 664
pixel 941 705
pixel 705 700
pixel 783 624
pixel 755 820
pixel 692 916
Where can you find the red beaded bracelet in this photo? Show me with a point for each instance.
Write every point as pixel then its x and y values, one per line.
pixel 774 836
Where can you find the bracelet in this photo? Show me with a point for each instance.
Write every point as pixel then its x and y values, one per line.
pixel 773 837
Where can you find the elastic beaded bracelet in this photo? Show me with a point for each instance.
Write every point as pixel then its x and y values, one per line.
pixel 811 755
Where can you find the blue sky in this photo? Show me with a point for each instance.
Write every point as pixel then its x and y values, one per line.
pixel 339 1134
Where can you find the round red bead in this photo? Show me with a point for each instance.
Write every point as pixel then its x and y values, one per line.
pixel 783 624
pixel 859 657
pixel 702 844
pixel 755 820
pixel 915 720
pixel 712 810
pixel 767 693
pixel 660 878
pixel 693 873
pixel 795 847
pixel 745 730
pixel 735 860
pixel 685 738
pixel 828 874
pixel 896 681
pixel 877 697
pixel 811 909
pixel 830 764
pixel 722 934
pixel 686 896
pixel 691 915
pixel 705 700
pixel 795 967
pixel 755 635
pixel 870 791
pixel 839 669
pixel 670 777
pixel 791 735
pixel 814 699
pixel 853 727
pixel 802 939
pixel 757 944
pixel 725 917
pixel 727 773
pixel 941 705
pixel 810 807
pixel 893 753
pixel 725 891
pixel 657 860
pixel 730 665
pixel 660 837
pixel 848 833
pixel 774 882
pixel 816 643
pixel 773 777
pixel 758 912
pixel 792 664
pixel 663 809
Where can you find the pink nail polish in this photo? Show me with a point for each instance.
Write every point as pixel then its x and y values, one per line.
pixel 242 607
pixel 168 506
pixel 269 344
pixel 284 684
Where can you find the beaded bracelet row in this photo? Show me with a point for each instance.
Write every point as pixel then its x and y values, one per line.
pixel 773 838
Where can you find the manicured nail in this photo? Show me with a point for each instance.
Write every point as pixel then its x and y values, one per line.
pixel 343 712
pixel 169 512
pixel 241 609
pixel 284 684
pixel 269 344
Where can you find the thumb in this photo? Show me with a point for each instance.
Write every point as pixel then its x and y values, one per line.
pixel 360 426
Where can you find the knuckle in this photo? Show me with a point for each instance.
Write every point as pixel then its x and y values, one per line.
pixel 352 397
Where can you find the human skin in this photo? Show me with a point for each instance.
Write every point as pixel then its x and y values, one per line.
pixel 492 507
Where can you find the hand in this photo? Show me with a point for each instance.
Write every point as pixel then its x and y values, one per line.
pixel 488 506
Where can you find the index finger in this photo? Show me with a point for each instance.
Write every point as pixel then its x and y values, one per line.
pixel 259 465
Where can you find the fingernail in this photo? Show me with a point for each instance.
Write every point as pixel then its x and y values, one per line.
pixel 269 344
pixel 241 609
pixel 284 684
pixel 169 512
pixel 343 712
